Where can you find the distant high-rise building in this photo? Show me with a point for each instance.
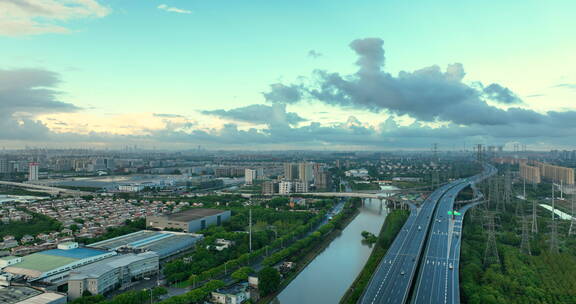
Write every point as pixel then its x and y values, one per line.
pixel 270 187
pixel 33 171
pixel 556 174
pixel 250 175
pixel 4 166
pixel 305 173
pixel 285 187
pixel 529 173
pixel 290 171
pixel 322 181
pixel 300 187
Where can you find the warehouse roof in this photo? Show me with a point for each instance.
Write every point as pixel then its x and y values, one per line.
pixel 15 294
pixel 97 269
pixel 41 263
pixel 164 243
pixel 76 253
pixel 193 214
pixel 33 265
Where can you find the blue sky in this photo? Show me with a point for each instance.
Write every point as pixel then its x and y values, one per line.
pixel 120 62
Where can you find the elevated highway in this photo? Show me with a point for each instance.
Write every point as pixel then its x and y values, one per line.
pixel 420 243
pixel 393 277
pixel 438 277
pixel 47 189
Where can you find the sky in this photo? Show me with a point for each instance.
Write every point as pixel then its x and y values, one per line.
pixel 273 75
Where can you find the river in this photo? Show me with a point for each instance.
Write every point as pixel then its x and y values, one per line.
pixel 330 274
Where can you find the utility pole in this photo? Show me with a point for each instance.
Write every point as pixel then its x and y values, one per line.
pixel 553 210
pixel 250 228
pixel 561 189
pixel 572 230
pixel 491 252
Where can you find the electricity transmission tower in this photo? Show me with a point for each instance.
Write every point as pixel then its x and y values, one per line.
pixel 435 178
pixel 491 252
pixel 534 217
pixel 507 189
pixel 525 244
pixel 553 228
pixel 554 237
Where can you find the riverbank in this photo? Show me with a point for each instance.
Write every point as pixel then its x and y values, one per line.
pixel 392 225
pixel 304 259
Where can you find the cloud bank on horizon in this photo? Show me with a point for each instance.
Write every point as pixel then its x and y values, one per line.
pixel 443 108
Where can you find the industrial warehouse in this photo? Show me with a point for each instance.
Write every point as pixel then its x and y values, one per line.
pixel 52 266
pixel 163 243
pixel 190 220
pixel 98 268
pixel 108 274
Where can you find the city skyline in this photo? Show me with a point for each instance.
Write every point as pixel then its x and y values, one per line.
pixel 255 76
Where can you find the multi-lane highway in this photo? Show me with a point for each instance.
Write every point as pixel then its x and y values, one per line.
pixel 438 280
pixel 393 278
pixel 391 281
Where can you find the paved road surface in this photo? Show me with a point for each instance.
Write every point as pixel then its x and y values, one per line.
pixel 392 279
pixel 438 280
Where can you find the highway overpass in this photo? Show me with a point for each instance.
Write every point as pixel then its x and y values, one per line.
pixel 47 189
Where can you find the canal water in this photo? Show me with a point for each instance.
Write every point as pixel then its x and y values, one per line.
pixel 330 274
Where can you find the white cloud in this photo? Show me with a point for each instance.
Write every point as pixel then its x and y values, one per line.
pixel 31 17
pixel 167 8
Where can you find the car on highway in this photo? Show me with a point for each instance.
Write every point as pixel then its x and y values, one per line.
pixel 402 272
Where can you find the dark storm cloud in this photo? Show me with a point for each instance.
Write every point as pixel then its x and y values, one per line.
pixel 428 94
pixel 280 93
pixel 25 93
pixel 501 94
pixel 30 91
pixel 259 114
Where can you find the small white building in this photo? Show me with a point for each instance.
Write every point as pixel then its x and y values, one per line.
pixel 235 294
pixel 285 187
pixel 68 245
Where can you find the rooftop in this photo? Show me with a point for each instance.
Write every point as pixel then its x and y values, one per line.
pixel 163 243
pixel 8 258
pixel 38 263
pixel 99 268
pixel 193 214
pixel 33 265
pixel 76 253
pixel 15 294
pixel 44 298
pixel 233 289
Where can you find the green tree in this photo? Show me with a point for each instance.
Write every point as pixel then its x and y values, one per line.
pixel 242 273
pixel 268 280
